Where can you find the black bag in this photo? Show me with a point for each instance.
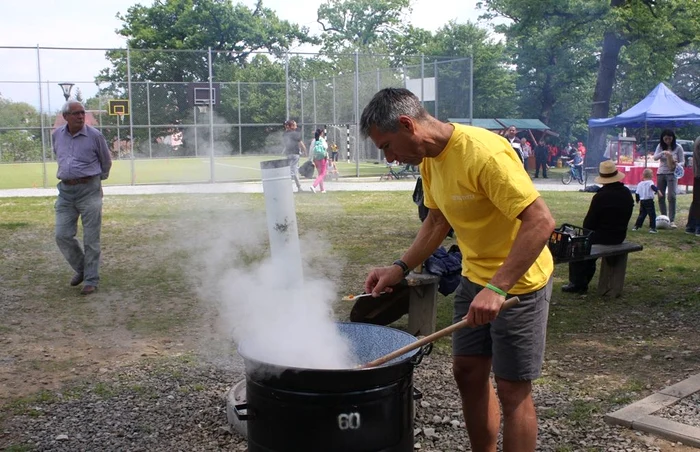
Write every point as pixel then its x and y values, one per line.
pixel 307 169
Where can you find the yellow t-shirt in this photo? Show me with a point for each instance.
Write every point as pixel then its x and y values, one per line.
pixel 480 186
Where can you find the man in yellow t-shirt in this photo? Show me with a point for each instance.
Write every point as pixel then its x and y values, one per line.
pixel 474 182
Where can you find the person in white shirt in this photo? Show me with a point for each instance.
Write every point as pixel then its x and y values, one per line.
pixel 645 198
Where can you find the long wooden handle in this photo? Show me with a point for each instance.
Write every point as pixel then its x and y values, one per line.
pixel 509 303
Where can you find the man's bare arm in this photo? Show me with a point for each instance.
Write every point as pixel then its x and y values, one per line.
pixel 429 237
pixel 431 234
pixel 535 230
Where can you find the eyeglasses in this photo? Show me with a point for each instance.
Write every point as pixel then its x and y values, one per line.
pixel 77 113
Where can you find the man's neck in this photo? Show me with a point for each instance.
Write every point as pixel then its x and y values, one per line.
pixel 73 132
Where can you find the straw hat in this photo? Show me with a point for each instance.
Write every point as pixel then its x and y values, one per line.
pixel 608 173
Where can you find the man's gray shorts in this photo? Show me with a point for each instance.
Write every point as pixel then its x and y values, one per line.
pixel 515 339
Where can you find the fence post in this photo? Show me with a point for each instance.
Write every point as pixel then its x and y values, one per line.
pixel 48 115
pixel 313 88
pixel 41 118
pixel 211 117
pixel 471 89
pixel 240 128
pixel 357 114
pixel 148 120
pixel 422 80
pixel 286 83
pixel 435 77
pixel 131 117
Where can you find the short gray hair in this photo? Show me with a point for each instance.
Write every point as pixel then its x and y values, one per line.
pixel 386 106
pixel 66 107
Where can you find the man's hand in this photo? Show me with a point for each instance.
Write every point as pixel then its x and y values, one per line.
pixel 381 279
pixel 484 308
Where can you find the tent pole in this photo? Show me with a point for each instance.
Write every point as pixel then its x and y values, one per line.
pixel 646 141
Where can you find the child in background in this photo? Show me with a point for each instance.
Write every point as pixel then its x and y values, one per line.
pixel 645 197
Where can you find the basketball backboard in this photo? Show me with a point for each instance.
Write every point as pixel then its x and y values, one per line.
pixel 118 107
pixel 199 93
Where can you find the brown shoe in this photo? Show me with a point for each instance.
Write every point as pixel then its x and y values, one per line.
pixel 76 279
pixel 87 290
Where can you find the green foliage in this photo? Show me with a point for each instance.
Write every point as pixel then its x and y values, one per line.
pixel 360 24
pixel 179 30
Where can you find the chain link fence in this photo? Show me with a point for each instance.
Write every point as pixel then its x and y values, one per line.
pixel 202 116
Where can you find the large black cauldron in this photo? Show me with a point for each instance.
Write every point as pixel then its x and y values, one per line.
pixel 347 410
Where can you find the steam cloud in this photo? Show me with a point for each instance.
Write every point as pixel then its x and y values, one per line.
pixel 272 323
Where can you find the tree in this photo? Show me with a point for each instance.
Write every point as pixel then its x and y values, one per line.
pixel 22 142
pixel 179 30
pixel 360 24
pixel 634 43
pixel 639 25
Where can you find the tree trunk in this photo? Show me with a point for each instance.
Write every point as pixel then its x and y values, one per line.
pixel 609 58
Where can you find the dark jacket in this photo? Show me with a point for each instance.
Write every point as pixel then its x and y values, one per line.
pixel 609 214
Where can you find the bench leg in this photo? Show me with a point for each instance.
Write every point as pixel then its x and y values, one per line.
pixel 422 309
pixel 612 275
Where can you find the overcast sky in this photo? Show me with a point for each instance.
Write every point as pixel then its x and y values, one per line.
pixel 50 23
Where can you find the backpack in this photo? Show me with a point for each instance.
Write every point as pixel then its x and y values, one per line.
pixel 320 152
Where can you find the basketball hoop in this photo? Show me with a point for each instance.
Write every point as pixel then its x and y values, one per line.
pixel 120 117
pixel 202 108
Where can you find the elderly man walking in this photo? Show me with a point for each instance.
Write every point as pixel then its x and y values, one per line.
pixel 83 163
pixel 474 182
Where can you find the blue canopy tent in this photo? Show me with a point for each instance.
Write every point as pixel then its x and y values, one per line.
pixel 661 108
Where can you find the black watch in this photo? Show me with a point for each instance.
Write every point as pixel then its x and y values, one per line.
pixel 403 266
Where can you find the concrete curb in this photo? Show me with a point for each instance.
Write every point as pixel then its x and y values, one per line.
pixel 639 415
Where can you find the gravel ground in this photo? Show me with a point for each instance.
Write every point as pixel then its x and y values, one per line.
pixel 177 405
pixel 687 411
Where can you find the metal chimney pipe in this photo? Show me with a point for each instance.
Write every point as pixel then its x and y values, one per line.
pixel 282 220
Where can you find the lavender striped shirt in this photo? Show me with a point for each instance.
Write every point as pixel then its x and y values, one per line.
pixel 81 155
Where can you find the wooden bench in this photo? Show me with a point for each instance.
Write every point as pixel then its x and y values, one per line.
pixel 422 303
pixel 613 265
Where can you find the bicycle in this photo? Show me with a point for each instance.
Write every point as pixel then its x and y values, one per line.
pixel 572 174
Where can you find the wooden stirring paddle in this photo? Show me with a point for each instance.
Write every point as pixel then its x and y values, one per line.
pixel 509 303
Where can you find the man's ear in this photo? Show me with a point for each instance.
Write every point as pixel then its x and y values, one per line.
pixel 407 122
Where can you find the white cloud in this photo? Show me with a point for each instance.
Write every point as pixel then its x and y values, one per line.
pixel 93 26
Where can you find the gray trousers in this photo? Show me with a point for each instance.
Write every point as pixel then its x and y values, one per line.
pixel 670 181
pixel 84 201
pixel 294 168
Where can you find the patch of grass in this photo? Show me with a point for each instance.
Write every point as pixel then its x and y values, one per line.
pixel 12 226
pixel 19 448
pixel 582 411
pixel 23 405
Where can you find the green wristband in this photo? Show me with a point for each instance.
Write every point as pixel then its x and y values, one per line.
pixel 496 289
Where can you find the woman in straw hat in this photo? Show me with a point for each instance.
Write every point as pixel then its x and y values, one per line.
pixel 608 216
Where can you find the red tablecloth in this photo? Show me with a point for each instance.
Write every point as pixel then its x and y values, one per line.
pixel 633 175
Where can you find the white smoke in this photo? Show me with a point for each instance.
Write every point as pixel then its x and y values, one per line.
pixel 273 322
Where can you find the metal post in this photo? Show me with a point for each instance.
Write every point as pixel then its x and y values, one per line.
pixel 131 117
pixel 435 77
pixel 422 80
pixel 301 118
pixel 471 89
pixel 196 154
pixel 148 119
pixel 335 116
pixel 211 117
pixel 41 118
pixel 357 114
pixel 48 108
pixel 240 128
pixel 119 147
pixel 379 87
pixel 286 83
pixel 313 88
